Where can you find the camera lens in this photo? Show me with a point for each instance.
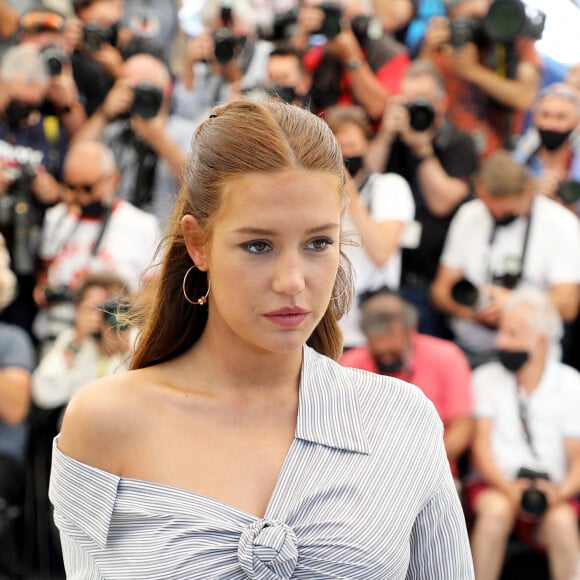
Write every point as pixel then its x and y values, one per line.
pixel 569 191
pixel 465 293
pixel 505 20
pixel 534 501
pixel 421 114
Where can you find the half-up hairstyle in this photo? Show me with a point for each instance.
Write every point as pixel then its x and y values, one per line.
pixel 238 138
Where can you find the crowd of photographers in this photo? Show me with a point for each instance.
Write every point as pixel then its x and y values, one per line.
pixel 463 177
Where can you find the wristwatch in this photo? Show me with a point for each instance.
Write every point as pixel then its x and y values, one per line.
pixel 353 63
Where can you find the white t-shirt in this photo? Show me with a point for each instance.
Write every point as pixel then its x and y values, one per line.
pixel 389 198
pixel 126 249
pixel 552 256
pixel 553 412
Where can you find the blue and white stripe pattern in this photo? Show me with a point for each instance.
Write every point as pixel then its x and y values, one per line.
pixel 365 493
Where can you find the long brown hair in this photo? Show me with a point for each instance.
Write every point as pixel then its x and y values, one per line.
pixel 238 138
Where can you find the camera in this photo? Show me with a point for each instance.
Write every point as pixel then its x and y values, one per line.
pixel 58 295
pixel 569 191
pixel 95 35
pixel 22 177
pixel 332 16
pixel 280 27
pixel 534 501
pixel 225 45
pixel 366 28
pixel 55 59
pixel 421 114
pixel 147 100
pixel 114 313
pixel 505 21
pixel 465 293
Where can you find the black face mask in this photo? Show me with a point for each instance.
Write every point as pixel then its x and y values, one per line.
pixel 506 220
pixel 553 140
pixel 513 360
pixel 95 209
pixel 17 111
pixel 395 366
pixel 354 164
pixel 287 94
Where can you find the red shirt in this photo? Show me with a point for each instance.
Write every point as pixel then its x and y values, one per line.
pixel 438 368
pixel 389 75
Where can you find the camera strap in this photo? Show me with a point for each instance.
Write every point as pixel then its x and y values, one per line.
pixel 523 405
pixel 489 274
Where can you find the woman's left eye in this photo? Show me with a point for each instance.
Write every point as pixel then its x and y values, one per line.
pixel 319 244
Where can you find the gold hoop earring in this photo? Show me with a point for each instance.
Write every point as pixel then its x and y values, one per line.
pixel 344 290
pixel 200 301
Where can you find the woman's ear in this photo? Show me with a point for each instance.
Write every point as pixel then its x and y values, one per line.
pixel 194 244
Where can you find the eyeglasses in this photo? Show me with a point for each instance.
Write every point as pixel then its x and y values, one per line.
pixel 86 188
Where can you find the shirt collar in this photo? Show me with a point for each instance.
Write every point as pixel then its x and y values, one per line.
pixel 329 407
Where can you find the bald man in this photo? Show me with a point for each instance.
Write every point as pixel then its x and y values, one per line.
pixel 92 231
pixel 149 143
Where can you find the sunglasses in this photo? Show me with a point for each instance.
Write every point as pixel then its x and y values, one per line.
pixel 85 187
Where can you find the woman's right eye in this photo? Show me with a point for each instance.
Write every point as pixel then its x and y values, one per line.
pixel 257 247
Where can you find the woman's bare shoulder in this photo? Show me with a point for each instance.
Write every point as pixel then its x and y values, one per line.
pixel 104 416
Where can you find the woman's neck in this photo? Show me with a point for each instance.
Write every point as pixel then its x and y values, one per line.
pixel 236 366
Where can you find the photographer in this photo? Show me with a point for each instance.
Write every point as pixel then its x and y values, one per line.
pixel 551 148
pixel 527 444
pixel 45 30
pixel 31 157
pixel 150 144
pixel 485 51
pixel 16 364
pixel 356 64
pixel 99 40
pixel 222 61
pixel 380 206
pixel 94 232
pixel 394 347
pixel 418 141
pixel 508 238
pixel 98 344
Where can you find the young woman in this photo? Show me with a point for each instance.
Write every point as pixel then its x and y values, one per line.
pixel 236 447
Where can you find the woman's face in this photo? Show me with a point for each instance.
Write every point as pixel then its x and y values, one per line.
pixel 272 258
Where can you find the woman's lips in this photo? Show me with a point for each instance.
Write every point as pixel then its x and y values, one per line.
pixel 287 317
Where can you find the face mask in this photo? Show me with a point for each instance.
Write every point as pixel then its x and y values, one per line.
pixel 395 366
pixel 353 164
pixel 95 209
pixel 513 360
pixel 553 140
pixel 506 220
pixel 287 94
pixel 17 111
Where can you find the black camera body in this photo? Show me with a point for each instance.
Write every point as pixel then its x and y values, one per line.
pixel 95 35
pixel 55 58
pixel 23 176
pixel 421 114
pixel 58 295
pixel 147 101
pixel 505 21
pixel 534 501
pixel 331 26
pixel 280 27
pixel 226 44
pixel 569 191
